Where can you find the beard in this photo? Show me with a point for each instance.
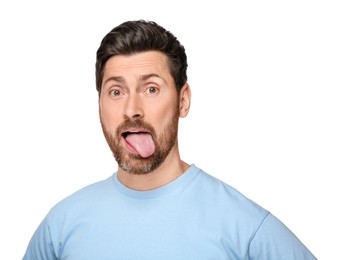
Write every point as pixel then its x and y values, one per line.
pixel 134 163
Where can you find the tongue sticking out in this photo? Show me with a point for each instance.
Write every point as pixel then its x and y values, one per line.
pixel 142 143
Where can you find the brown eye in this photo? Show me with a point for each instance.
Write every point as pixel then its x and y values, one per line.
pixel 152 90
pixel 115 92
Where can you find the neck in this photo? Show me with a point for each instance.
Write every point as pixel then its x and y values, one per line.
pixel 167 172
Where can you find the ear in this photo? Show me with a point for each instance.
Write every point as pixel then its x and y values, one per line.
pixel 184 100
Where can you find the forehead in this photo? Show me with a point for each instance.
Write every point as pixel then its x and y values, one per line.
pixel 137 64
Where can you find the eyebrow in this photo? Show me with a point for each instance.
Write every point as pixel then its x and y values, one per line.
pixel 114 78
pixel 151 75
pixel 142 78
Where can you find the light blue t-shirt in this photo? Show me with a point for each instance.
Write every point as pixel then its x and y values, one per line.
pixel 194 217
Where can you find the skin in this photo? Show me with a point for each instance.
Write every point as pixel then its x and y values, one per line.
pixel 140 86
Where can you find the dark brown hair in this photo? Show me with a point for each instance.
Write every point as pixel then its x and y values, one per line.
pixel 138 36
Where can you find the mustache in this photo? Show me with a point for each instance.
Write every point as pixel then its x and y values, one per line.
pixel 134 123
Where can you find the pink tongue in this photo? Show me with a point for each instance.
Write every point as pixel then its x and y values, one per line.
pixel 142 143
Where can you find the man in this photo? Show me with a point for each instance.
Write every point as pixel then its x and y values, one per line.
pixel 155 206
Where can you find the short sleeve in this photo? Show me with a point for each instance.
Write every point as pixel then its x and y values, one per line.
pixel 40 246
pixel 273 240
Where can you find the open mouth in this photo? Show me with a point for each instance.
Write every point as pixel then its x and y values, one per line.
pixel 139 141
pixel 130 132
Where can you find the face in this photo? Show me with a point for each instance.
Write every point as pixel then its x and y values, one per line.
pixel 139 110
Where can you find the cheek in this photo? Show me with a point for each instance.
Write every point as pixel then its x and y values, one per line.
pixel 162 116
pixel 109 116
pixel 159 112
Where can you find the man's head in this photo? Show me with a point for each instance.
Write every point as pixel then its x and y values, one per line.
pixel 138 36
pixel 141 79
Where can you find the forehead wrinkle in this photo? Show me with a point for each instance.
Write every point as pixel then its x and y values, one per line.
pixel 114 78
pixel 147 68
pixel 149 76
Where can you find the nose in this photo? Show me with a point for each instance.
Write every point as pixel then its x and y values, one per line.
pixel 134 107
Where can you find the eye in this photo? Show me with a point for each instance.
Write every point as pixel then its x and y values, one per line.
pixel 152 90
pixel 115 92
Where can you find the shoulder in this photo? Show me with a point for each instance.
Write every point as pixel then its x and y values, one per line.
pixel 82 198
pixel 227 198
pixel 268 237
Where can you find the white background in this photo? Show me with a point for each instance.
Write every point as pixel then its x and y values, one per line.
pixel 263 118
